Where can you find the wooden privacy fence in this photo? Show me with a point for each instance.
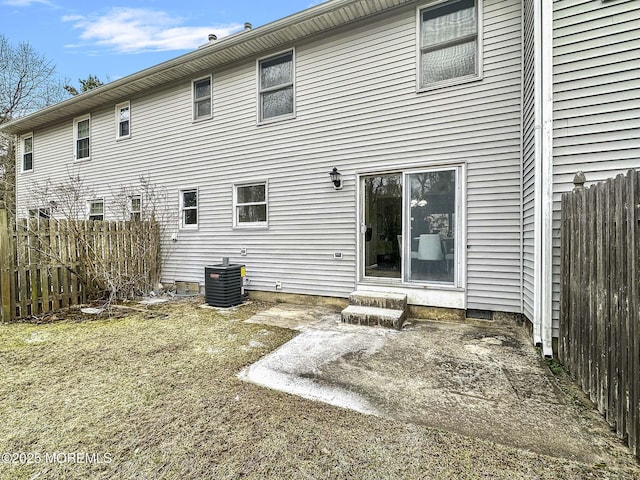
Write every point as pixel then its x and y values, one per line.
pixel 50 264
pixel 600 297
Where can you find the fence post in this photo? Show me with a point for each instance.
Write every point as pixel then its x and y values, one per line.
pixel 6 266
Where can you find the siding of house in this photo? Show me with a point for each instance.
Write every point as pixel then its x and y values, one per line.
pixel 356 109
pixel 597 98
pixel 528 159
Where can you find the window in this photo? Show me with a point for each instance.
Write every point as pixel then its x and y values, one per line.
pixel 27 153
pixel 276 87
pixel 189 208
pixel 202 98
pixel 250 204
pixel 96 209
pixel 448 42
pixel 123 120
pixel 82 131
pixel 136 208
pixel 43 212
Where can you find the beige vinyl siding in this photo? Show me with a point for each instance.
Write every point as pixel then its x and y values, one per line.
pixel 597 98
pixel 356 109
pixel 528 160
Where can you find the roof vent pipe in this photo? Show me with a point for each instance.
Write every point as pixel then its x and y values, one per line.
pixel 247 26
pixel 212 37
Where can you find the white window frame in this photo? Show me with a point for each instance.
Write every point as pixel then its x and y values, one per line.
pixel 40 212
pixel 135 215
pixel 189 226
pixel 195 101
pixel 260 91
pixel 119 108
pixel 479 48
pixel 89 214
pixel 236 204
pixel 23 138
pixel 76 121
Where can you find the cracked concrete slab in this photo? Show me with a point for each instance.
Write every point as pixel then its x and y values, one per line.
pixel 484 381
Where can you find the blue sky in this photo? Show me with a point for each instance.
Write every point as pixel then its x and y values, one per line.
pixel 114 38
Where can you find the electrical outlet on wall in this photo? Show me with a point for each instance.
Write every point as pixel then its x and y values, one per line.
pixel 243 251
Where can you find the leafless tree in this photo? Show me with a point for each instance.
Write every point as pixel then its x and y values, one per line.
pixel 105 276
pixel 27 83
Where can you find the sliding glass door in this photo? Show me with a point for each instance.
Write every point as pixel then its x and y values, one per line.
pixel 410 224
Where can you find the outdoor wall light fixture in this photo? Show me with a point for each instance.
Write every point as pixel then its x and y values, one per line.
pixel 336 178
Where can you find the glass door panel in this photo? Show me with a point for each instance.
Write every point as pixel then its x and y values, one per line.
pixel 431 208
pixel 382 225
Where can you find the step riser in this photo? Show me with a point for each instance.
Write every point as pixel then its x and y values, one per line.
pixel 373 320
pixel 368 300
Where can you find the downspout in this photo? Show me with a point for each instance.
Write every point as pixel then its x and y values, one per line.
pixel 537 167
pixel 543 186
pixel 546 309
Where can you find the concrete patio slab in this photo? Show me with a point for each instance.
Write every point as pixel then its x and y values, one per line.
pixel 480 380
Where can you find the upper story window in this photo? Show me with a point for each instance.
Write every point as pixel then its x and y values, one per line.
pixel 276 86
pixel 202 98
pixel 448 42
pixel 81 133
pixel 96 209
pixel 27 152
pixel 123 120
pixel 250 204
pixel 189 208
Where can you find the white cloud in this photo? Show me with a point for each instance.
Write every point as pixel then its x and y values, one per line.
pixel 135 30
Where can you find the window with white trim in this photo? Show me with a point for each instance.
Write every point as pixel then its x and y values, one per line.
pixel 96 209
pixel 42 212
pixel 81 135
pixel 250 204
pixel 448 42
pixel 27 152
pixel 276 86
pixel 135 208
pixel 123 120
pixel 202 98
pixel 189 208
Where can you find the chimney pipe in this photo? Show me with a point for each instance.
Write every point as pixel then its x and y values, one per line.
pixel 247 26
pixel 212 37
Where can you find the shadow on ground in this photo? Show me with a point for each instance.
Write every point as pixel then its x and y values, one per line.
pixel 480 380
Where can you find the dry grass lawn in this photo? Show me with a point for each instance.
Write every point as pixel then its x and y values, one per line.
pixel 156 396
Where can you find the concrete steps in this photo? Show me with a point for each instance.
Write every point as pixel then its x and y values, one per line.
pixel 376 308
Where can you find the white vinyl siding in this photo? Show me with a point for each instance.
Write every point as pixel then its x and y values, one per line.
pixel 357 109
pixel 597 99
pixel 528 162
